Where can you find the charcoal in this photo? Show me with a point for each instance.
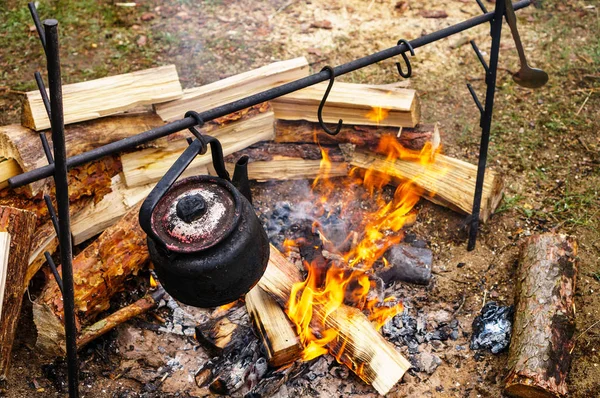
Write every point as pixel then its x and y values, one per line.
pixel 491 328
pixel 407 264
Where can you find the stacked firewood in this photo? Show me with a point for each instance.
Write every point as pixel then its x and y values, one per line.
pixel 283 141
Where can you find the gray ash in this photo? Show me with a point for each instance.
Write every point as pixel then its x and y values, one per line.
pixel 410 331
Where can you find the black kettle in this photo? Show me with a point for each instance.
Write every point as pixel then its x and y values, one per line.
pixel 204 238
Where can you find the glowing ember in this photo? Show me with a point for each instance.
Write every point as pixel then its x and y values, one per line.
pixel 326 288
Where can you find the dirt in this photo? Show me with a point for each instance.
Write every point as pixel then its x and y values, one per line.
pixel 544 142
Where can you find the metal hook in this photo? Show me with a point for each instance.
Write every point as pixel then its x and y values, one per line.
pixel 194 130
pixel 322 104
pixel 406 60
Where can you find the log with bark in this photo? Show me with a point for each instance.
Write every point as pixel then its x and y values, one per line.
pixel 272 161
pixel 542 335
pixel 45 240
pixel 100 328
pixel 97 216
pixel 230 89
pixel 358 345
pixel 446 181
pixel 149 165
pixel 98 273
pixel 106 96
pixel 8 168
pixel 16 230
pixel 274 328
pixel 356 104
pixel 89 180
pixel 368 137
pixel 24 146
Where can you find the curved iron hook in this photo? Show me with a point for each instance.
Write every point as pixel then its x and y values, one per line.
pixel 194 130
pixel 322 104
pixel 406 60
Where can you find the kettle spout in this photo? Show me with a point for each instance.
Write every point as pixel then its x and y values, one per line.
pixel 240 177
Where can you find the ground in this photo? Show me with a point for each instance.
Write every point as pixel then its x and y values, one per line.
pixel 545 142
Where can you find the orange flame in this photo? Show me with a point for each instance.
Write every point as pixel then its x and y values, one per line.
pixel 326 288
pixel 377 114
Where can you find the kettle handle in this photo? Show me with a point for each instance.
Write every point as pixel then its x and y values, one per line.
pixel 196 147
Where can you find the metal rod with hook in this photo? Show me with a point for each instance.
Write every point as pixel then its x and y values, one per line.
pixel 267 95
pixel 322 104
pixel 406 60
pixel 486 121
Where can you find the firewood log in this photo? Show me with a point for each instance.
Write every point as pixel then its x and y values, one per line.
pixel 16 230
pixel 98 272
pixel 447 181
pixel 287 131
pixel 89 180
pixel 106 96
pixel 149 165
pixel 226 331
pixel 358 345
pixel 100 328
pixel 276 332
pixel 542 335
pixel 8 168
pixel 362 104
pixel 97 216
pixel 273 161
pixel 233 88
pixel 24 146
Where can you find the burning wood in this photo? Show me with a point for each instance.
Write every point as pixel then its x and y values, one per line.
pixel 366 137
pixel 446 181
pixel 272 161
pixel 277 335
pixel 362 104
pixel 356 342
pixel 106 96
pixel 16 229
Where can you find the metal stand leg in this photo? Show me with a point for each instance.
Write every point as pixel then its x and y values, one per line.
pixel 486 121
pixel 62 198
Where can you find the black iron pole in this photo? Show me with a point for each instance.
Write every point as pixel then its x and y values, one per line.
pixel 173 127
pixel 486 121
pixel 62 199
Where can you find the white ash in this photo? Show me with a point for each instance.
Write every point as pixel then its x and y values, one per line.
pixel 203 225
pixel 182 322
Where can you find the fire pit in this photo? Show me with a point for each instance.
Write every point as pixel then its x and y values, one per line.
pixel 339 254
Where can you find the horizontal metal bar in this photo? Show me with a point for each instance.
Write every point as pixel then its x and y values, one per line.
pixel 211 114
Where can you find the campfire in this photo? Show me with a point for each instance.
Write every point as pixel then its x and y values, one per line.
pixel 342 262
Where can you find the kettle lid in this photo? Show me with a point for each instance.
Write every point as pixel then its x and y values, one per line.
pixel 196 213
